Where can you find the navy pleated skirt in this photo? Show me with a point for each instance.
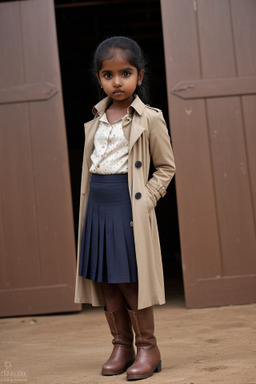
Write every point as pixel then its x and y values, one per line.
pixel 107 246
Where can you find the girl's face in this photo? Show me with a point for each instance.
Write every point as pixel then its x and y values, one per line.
pixel 119 78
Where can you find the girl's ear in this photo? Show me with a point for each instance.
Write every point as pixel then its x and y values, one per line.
pixel 140 76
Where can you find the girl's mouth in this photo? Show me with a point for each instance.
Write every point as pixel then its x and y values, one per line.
pixel 118 92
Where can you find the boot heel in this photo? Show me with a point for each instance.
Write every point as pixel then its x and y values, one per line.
pixel 158 367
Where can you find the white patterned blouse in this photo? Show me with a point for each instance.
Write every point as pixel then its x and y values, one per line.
pixel 111 146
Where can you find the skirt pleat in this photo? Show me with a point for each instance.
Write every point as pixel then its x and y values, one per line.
pixel 107 245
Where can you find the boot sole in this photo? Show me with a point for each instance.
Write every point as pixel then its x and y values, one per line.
pixel 114 373
pixel 157 368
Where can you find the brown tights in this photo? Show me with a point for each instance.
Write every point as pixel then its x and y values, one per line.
pixel 118 295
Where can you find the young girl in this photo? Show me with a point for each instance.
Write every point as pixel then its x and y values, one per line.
pixel 119 257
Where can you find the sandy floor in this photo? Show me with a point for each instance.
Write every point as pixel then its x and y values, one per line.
pixel 199 346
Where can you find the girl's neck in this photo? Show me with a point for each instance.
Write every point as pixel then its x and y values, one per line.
pixel 118 109
pixel 122 104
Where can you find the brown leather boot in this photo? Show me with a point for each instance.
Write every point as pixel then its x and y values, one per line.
pixel 148 359
pixel 123 353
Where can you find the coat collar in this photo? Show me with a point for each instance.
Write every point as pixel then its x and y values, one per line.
pixel 101 107
pixel 98 110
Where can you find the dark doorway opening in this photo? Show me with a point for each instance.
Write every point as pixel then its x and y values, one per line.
pixel 81 25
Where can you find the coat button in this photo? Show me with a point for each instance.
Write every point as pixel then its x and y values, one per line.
pixel 138 164
pixel 131 223
pixel 137 195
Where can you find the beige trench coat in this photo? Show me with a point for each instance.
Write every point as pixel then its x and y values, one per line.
pixel 148 138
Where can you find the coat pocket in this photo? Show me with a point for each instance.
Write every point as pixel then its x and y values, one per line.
pixel 150 200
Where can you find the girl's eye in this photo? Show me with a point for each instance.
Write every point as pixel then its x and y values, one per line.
pixel 126 74
pixel 107 76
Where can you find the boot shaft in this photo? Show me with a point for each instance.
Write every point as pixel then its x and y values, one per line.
pixel 143 325
pixel 120 326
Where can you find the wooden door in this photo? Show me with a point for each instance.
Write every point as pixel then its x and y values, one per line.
pixel 210 54
pixel 37 248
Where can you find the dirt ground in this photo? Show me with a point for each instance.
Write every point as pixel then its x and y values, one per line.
pixel 199 346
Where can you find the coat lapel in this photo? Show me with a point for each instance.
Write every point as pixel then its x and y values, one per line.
pixel 137 128
pixel 90 130
pixel 136 131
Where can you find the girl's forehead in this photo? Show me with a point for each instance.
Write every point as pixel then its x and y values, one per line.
pixel 118 59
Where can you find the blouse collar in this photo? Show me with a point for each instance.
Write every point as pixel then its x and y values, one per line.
pixel 101 107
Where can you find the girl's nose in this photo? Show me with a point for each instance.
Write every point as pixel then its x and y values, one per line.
pixel 117 81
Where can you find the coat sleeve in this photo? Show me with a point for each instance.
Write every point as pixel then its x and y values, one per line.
pixel 162 157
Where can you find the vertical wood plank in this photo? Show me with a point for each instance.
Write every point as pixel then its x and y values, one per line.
pixel 249 116
pixel 10 43
pixel 19 240
pixel 227 140
pixel 194 179
pixel 235 212
pixel 244 32
pixel 36 227
pixel 49 147
pixel 215 37
pixel 243 16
